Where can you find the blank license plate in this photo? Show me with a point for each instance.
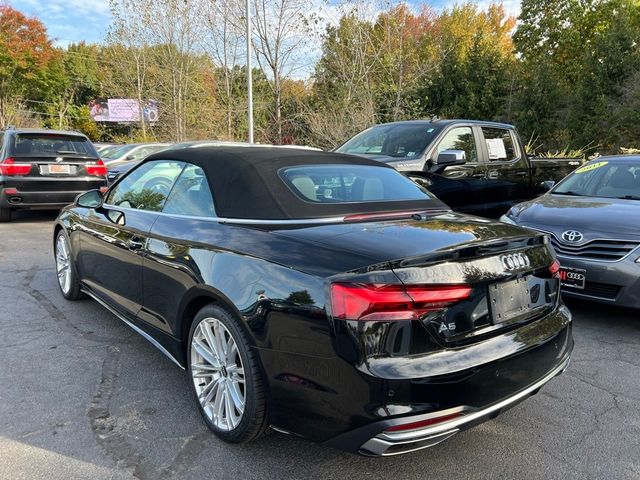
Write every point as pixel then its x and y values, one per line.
pixel 60 169
pixel 509 299
pixel 573 277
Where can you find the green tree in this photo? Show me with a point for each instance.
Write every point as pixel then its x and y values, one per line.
pixel 475 75
pixel 577 61
pixel 25 56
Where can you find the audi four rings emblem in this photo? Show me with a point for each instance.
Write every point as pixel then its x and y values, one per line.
pixel 515 261
pixel 572 236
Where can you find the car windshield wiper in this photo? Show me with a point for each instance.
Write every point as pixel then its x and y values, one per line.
pixel 630 197
pixel 569 192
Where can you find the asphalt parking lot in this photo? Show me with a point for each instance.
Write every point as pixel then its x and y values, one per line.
pixel 83 396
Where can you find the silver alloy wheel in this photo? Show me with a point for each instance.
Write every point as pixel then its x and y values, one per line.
pixel 218 374
pixel 63 266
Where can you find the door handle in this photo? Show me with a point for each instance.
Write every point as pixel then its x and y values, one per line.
pixel 136 243
pixel 522 174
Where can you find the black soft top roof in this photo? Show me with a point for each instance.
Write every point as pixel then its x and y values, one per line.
pixel 246 184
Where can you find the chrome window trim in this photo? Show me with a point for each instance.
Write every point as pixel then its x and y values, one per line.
pixel 238 221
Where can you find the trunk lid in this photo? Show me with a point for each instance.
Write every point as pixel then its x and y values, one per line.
pixel 507 267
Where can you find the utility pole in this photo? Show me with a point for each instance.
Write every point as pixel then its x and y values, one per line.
pixel 249 79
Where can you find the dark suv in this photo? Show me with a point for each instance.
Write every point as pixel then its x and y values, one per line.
pixel 46 169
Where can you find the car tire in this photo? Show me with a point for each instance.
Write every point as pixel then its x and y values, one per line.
pixel 65 269
pixel 221 386
pixel 5 214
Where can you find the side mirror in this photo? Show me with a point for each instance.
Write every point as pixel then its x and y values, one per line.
pixel 90 199
pixel 451 157
pixel 130 157
pixel 547 185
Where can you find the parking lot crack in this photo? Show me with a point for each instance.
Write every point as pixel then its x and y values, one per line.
pixel 54 312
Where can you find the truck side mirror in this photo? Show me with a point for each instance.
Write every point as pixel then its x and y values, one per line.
pixel 451 157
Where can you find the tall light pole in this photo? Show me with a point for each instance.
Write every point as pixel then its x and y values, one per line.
pixel 249 79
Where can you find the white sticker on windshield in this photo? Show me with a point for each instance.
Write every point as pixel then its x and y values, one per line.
pixel 496 148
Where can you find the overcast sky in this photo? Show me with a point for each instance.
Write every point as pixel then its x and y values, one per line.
pixel 70 21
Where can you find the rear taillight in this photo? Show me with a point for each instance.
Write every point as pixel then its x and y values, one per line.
pixel 424 423
pixel 374 302
pixel 554 269
pixel 97 169
pixel 10 168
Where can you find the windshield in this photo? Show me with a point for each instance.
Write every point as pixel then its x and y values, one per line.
pixel 109 149
pixel 118 152
pixel 351 183
pixel 45 144
pixel 603 179
pixel 394 140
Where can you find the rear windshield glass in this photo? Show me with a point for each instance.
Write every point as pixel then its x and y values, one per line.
pixel 39 144
pixel 350 183
pixel 398 141
pixel 603 179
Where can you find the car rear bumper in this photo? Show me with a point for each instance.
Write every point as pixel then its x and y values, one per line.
pixel 607 282
pixel 350 406
pixel 43 195
pixel 395 443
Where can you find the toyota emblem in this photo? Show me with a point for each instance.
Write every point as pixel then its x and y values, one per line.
pixel 572 236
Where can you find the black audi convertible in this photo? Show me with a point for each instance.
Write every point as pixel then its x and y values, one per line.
pixel 319 294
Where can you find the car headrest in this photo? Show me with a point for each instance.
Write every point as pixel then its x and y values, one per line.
pixel 622 178
pixel 23 148
pixel 364 189
pixel 372 189
pixel 305 186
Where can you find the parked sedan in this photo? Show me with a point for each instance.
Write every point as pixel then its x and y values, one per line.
pixel 324 295
pixel 42 168
pixel 593 220
pixel 131 152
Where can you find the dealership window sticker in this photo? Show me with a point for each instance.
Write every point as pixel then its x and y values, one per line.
pixel 496 148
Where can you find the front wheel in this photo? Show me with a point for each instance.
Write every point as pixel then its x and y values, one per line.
pixel 67 277
pixel 225 376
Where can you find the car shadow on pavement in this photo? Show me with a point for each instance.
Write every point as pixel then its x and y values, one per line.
pixel 29 216
pixel 604 315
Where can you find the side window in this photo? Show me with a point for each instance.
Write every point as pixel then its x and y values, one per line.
pixel 460 138
pixel 499 144
pixel 191 194
pixel 147 186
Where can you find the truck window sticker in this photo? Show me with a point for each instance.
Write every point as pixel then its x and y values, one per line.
pixel 496 148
